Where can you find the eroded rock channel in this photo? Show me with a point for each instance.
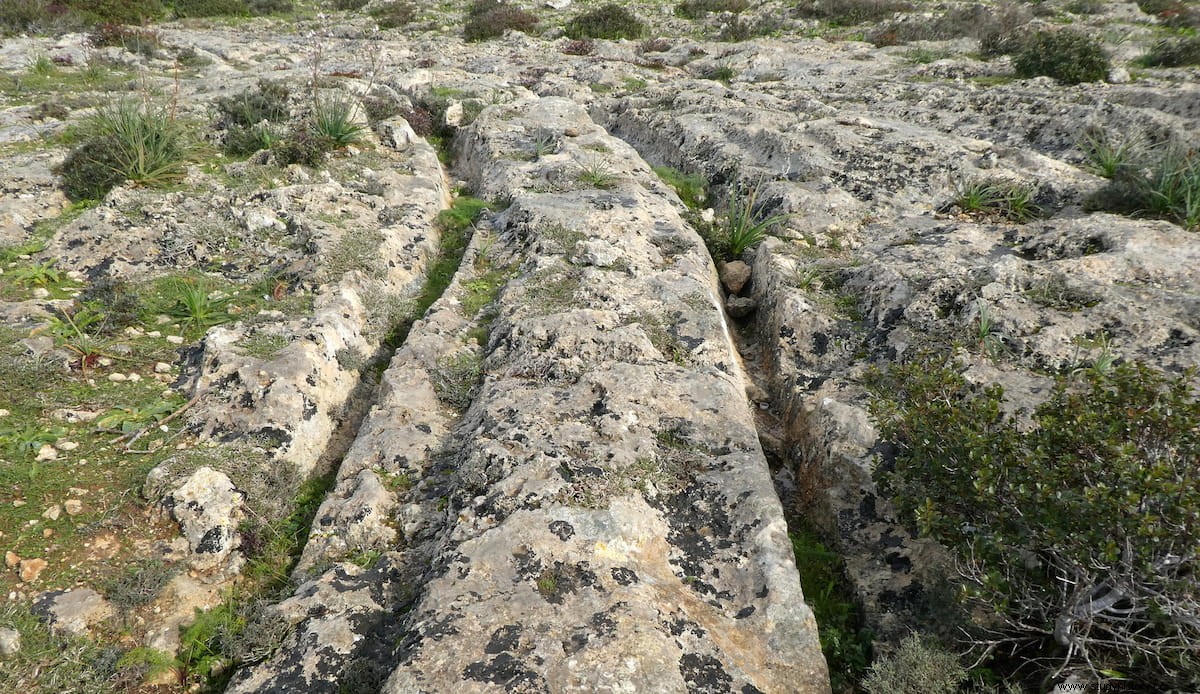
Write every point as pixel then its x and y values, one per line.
pixel 598 515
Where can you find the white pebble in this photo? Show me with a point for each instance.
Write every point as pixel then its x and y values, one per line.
pixel 175 339
pixel 116 377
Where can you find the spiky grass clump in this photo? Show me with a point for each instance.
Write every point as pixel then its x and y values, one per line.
pixel 139 142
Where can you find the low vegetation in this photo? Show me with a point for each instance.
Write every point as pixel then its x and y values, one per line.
pixel 1146 180
pixel 607 22
pixel 1065 55
pixel 489 19
pixel 1074 525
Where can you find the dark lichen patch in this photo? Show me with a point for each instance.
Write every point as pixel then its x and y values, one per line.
pixel 506 638
pixel 562 530
pixel 700 530
pixel 562 579
pixel 704 674
pixel 510 672
pixel 624 576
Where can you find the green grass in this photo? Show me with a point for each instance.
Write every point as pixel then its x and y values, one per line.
pixel 989 198
pixel 692 189
pixel 743 225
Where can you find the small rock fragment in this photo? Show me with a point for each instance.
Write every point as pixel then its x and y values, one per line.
pixel 175 339
pixel 740 306
pixel 46 452
pixel 10 642
pixel 31 569
pixel 734 276
pixel 66 445
pixel 162 367
pixel 11 559
pixel 116 377
pixel 4 412
pixel 52 513
pixel 73 507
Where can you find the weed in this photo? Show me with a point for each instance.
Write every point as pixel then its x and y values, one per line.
pixel 489 19
pixel 991 198
pixel 1167 186
pixel 917 666
pixel 698 9
pixel 578 47
pixel 137 142
pixel 143 42
pixel 547 583
pixel 744 224
pixel 924 56
pixel 196 304
pixel 1055 292
pixel 607 22
pixel 138 585
pixel 1108 155
pixel 846 645
pixel 1067 56
pixel 598 174
pixel 850 12
pixel 482 291
pixel 41 65
pixel 719 73
pixel 333 120
pixel 691 188
pixel 1176 52
pixel 392 15
pixel 38 274
pixel 456 377
pixel 211 8
pixel 262 345
pixel 128 420
pixel 357 249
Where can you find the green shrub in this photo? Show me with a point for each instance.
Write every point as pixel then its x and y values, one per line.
pixel 488 19
pixel 21 16
pixel 850 12
pixel 607 22
pixel 334 119
pixel 1065 55
pixel 997 28
pixel 1174 53
pixel 846 645
pixel 268 101
pixel 1172 13
pixel 141 41
pixel 698 9
pixel 211 8
pixel 260 8
pixel 1076 524
pixel 345 5
pixel 139 584
pixel 92 169
pixel 394 14
pixel 917 667
pixel 116 11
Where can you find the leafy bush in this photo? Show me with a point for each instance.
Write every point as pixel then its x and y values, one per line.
pixel 607 22
pixel 92 169
pixel 1075 524
pixel 850 12
pixel 1174 53
pixel 1066 56
pixel 917 667
pixel 394 14
pixel 349 4
pixel 488 19
pixel 211 8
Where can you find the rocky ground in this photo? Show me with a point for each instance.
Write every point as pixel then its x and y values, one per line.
pixel 468 404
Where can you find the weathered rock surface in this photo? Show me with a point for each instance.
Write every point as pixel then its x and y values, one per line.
pixel 74 612
pixel 610 522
